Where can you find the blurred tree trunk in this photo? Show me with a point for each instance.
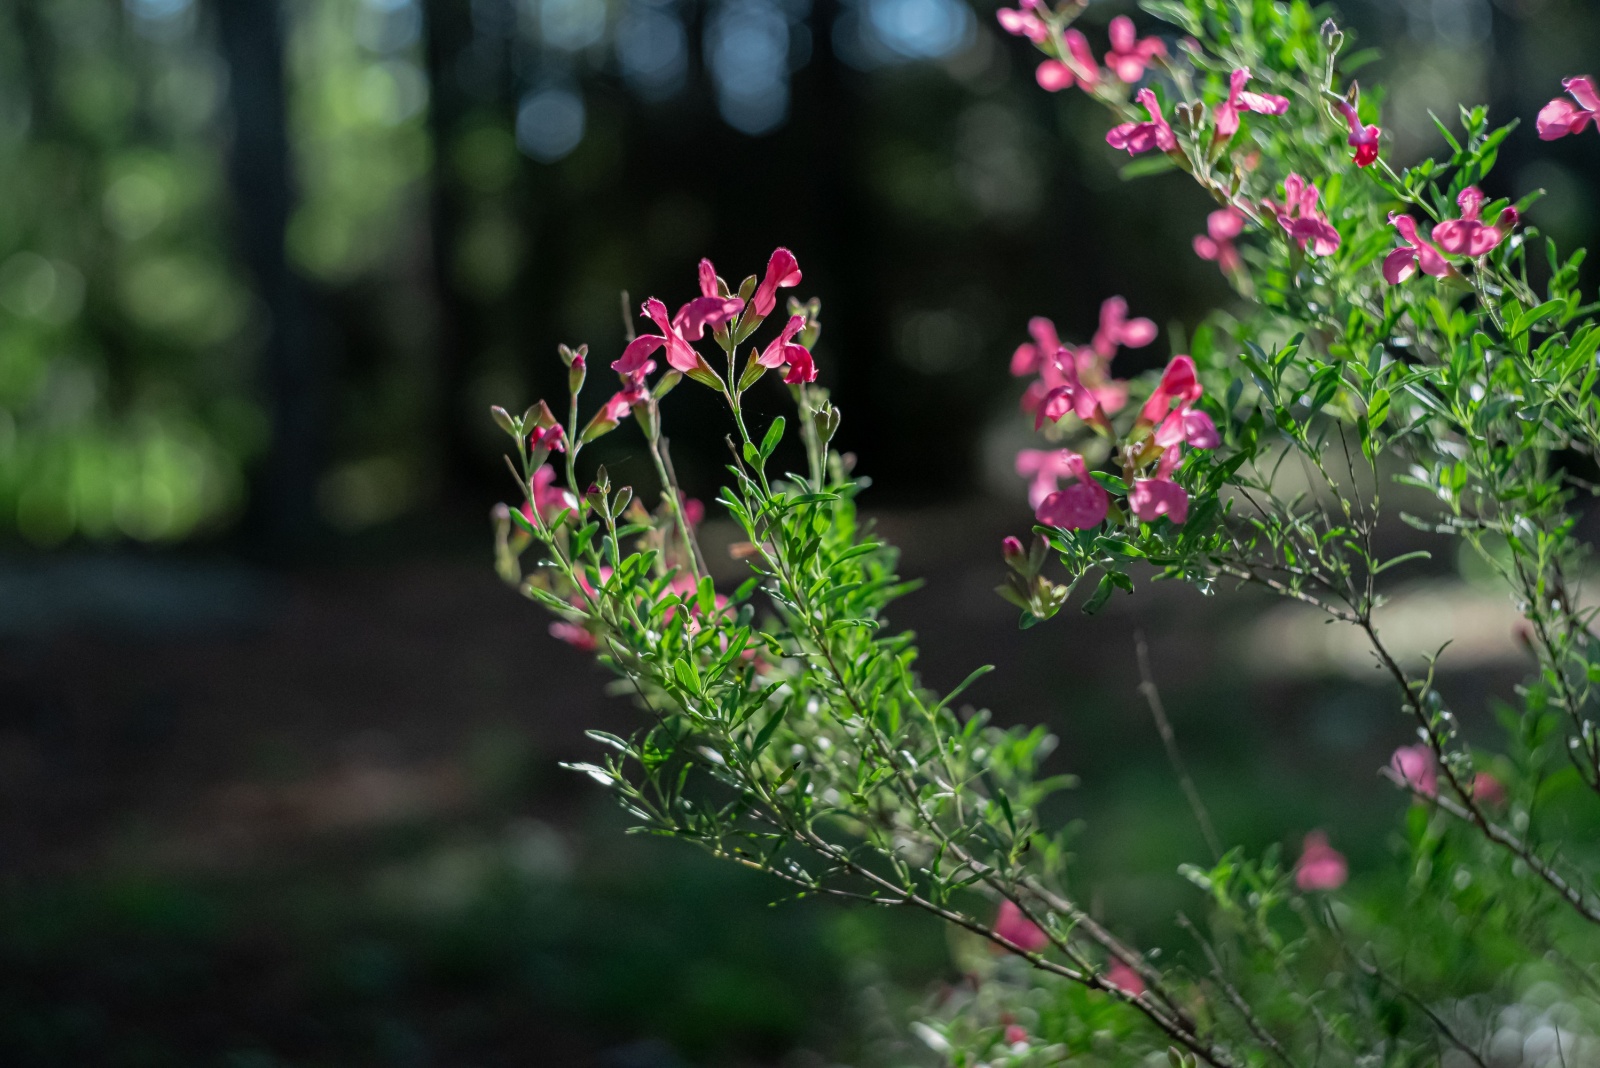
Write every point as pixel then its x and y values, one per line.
pixel 283 509
pixel 448 29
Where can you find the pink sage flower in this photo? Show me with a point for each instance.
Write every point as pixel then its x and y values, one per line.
pixel 1054 75
pixel 1046 468
pixel 1488 789
pixel 783 272
pixel 1320 867
pixel 1469 235
pixel 1137 137
pixel 1129 55
pixel 1364 139
pixel 680 354
pixel 1216 244
pixel 1418 768
pixel 1227 112
pixel 1301 219
pixel 1413 254
pixel 547 497
pixel 1030 359
pixel 1016 1035
pixel 1125 979
pixel 551 438
pixel 1117 329
pixel 1022 22
pixel 1562 117
pixel 1152 498
pixel 1081 505
pixel 1020 931
pixel 1178 383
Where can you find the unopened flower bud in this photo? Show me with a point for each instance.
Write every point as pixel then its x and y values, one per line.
pixel 1014 554
pixel 503 420
pixel 1332 36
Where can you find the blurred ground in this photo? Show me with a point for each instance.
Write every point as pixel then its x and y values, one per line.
pixel 318 814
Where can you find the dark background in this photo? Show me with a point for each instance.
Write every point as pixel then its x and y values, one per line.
pixel 278 777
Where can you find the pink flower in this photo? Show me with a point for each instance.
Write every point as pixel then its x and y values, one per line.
pixel 1046 468
pixel 1364 139
pixel 1216 244
pixel 783 272
pixel 574 636
pixel 1058 74
pixel 1055 75
pixel 1080 506
pixel 1152 498
pixel 1301 219
pixel 1488 789
pixel 1562 117
pixel 1020 931
pixel 1413 254
pixel 1129 55
pixel 1320 867
pixel 620 406
pixel 1016 1034
pixel 1125 979
pixel 550 438
pixel 1030 359
pixel 1227 112
pixel 1067 392
pixel 1023 24
pixel 1117 329
pixel 1417 768
pixel 680 354
pixel 701 313
pixel 1137 137
pixel 547 496
pixel 1469 235
pixel 1178 383
pixel 782 351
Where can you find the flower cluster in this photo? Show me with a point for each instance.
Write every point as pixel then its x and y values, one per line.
pixel 1466 236
pixel 1074 382
pixel 1562 117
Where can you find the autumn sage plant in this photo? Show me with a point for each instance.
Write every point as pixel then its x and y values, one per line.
pixel 1396 330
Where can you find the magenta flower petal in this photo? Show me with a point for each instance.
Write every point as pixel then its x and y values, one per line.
pixel 1418 768
pixel 1020 931
pixel 638 352
pixel 773 354
pixel 783 272
pixel 1320 867
pixel 702 313
pixel 1080 506
pixel 1053 76
pixel 1152 498
pixel 1583 91
pixel 708 279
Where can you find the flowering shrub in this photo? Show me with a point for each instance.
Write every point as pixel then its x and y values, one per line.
pixel 786 728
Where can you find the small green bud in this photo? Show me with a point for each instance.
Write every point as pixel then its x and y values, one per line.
pixel 503 420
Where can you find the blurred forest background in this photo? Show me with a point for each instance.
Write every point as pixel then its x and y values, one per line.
pixel 277 754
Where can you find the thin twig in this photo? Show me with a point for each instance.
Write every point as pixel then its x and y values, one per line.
pixel 1152 696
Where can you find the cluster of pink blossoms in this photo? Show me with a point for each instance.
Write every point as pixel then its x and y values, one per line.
pixel 1466 236
pixel 713 310
pixel 1077 382
pixel 1126 60
pixel 1011 924
pixel 1560 117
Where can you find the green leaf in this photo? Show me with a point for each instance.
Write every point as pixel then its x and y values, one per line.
pixel 688 677
pixel 768 729
pixel 1101 595
pixel 1378 408
pixel 1145 168
pixel 1521 323
pixel 774 435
